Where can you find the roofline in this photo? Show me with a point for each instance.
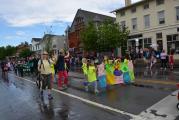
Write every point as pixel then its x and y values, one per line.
pixel 131 5
pixel 36 38
pixel 88 11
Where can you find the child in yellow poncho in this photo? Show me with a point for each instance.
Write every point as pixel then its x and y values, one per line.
pixel 91 76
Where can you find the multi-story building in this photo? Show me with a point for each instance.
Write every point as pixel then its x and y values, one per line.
pixel 57 42
pixel 151 23
pixel 82 18
pixel 35 45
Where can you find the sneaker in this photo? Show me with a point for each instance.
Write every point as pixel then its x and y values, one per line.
pixel 60 88
pixel 65 86
pixel 96 91
pixel 50 97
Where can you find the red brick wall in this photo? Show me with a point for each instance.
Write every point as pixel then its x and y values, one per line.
pixel 73 41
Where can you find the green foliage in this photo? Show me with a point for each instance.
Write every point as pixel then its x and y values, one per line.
pixel 89 37
pixel 48 44
pixel 7 51
pixel 104 37
pixel 25 53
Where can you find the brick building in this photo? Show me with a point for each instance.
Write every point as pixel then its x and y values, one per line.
pixel 82 18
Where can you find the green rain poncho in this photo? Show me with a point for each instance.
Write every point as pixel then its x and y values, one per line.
pixel 91 73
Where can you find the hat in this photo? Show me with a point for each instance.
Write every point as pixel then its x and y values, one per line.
pixel 62 51
pixel 45 53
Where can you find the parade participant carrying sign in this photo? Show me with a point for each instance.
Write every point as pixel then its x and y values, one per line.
pixel 44 67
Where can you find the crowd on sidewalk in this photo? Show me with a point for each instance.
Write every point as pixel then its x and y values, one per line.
pixel 152 56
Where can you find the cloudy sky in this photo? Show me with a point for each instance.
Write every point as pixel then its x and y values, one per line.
pixel 20 20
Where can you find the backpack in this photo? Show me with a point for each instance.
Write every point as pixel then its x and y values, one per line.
pixel 41 61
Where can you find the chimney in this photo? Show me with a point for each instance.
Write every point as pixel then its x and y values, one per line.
pixel 127 2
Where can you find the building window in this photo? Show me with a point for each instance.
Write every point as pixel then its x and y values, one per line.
pixel 122 13
pixel 123 23
pixel 133 10
pixel 54 46
pixel 134 23
pixel 160 2
pixel 173 43
pixel 147 21
pixel 177 13
pixel 160 45
pixel 178 29
pixel 161 17
pixel 146 6
pixel 147 42
pixel 159 35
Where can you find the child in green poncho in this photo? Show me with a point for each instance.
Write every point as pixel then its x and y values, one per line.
pixel 91 76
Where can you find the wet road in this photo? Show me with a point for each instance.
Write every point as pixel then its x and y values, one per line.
pixel 20 101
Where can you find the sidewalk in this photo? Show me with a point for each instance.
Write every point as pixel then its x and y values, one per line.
pixel 142 63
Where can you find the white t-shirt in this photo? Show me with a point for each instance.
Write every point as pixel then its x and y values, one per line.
pixel 163 56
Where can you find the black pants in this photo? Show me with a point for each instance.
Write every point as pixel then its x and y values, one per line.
pixel 163 63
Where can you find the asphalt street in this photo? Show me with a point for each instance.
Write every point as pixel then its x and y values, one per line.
pixel 20 101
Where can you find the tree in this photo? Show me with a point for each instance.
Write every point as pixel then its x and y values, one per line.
pixel 105 37
pixel 89 37
pixel 48 43
pixel 25 53
pixel 7 51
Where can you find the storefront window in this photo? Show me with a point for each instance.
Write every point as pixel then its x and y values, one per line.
pixel 173 43
pixel 160 45
pixel 147 42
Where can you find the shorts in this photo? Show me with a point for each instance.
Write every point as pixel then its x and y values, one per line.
pixel 46 81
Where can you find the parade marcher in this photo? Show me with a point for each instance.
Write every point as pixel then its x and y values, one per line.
pixel 131 70
pixel 4 67
pixel 35 65
pixel 67 61
pixel 92 78
pixel 15 68
pixel 171 60
pixel 20 68
pixel 101 74
pixel 85 72
pixel 52 57
pixel 125 70
pixel 62 73
pixel 117 72
pixel 153 59
pixel 44 67
pixel 163 57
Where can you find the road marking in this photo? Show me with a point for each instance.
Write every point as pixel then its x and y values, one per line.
pixel 87 101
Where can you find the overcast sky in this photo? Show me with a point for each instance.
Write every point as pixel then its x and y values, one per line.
pixel 20 20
